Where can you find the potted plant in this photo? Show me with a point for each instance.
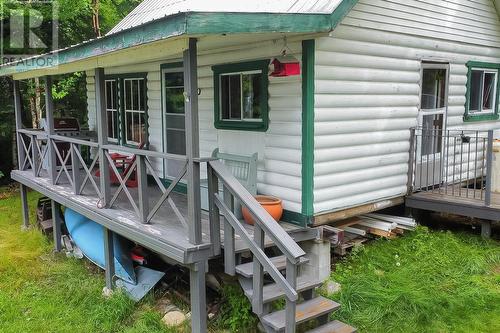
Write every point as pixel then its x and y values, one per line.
pixel 273 205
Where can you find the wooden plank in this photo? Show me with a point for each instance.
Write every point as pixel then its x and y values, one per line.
pixel 258 277
pixel 102 135
pixel 56 222
pixel 198 297
pixel 229 241
pixel 279 262
pixel 109 258
pixel 21 154
pixel 49 123
pixel 334 327
pixel 192 141
pixel 273 292
pixel 355 211
pixel 24 206
pixel 308 310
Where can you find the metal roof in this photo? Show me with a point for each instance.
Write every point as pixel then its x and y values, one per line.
pixel 151 10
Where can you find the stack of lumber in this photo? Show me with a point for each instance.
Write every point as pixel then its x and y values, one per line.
pixel 354 231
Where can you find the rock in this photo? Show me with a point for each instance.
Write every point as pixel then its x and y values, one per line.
pixel 331 287
pixel 174 318
pixel 106 292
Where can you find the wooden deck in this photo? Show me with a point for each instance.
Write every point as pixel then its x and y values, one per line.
pixel 456 200
pixel 165 234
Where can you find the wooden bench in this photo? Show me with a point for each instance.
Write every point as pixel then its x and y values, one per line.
pixel 244 168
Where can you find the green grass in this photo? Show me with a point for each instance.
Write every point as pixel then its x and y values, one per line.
pixel 45 292
pixel 425 281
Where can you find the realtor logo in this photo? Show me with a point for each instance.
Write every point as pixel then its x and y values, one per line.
pixel 28 28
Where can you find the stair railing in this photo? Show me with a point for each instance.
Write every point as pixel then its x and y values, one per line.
pixel 264 225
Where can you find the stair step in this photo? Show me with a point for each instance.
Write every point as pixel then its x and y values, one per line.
pixel 308 310
pixel 246 270
pixel 272 291
pixel 334 327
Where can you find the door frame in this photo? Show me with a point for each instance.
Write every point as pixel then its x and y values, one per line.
pixel 171 67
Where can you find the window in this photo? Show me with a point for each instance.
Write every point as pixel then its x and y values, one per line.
pixel 112 110
pixel 241 96
pixel 135 111
pixel 126 109
pixel 482 91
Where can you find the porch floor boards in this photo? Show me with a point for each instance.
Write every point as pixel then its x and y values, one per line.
pixel 164 227
pixel 457 200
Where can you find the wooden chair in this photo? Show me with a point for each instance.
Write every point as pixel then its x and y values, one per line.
pixel 124 163
pixel 244 168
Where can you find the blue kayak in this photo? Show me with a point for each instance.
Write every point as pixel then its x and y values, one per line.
pixel 89 237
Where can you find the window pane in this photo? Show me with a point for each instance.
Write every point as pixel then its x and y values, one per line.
pixel 432 134
pixel 175 121
pixel 234 96
pixel 128 96
pixel 433 89
pixel 109 95
pixel 174 79
pixel 174 100
pixel 475 90
pixel 488 91
pixel 176 142
pixel 142 95
pixel 135 95
pixel 224 96
pixel 251 96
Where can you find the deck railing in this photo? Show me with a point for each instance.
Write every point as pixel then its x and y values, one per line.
pixel 220 177
pixel 452 162
pixel 65 163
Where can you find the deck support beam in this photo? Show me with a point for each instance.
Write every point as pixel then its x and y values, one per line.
pixel 56 225
pixel 18 109
pixel 24 206
pixel 102 135
pixel 192 142
pixel 109 257
pixel 198 297
pixel 486 229
pixel 49 129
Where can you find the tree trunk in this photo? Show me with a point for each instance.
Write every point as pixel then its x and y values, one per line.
pixel 95 18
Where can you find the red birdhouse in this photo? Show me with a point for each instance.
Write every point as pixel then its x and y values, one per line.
pixel 286 65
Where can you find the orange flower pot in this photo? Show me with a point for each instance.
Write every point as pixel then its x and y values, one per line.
pixel 273 205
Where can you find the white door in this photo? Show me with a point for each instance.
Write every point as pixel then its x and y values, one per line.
pixel 174 130
pixel 432 124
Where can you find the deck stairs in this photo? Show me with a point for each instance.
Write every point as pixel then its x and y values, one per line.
pixel 267 279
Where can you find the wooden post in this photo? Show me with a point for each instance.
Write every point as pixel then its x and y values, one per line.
pixel 49 123
pixel 486 229
pixel 109 257
pixel 34 155
pixel 411 162
pixel 489 167
pixel 229 246
pixel 258 274
pixel 102 135
pixel 192 142
pixel 198 298
pixel 213 188
pixel 56 225
pixel 142 180
pixel 24 206
pixel 75 168
pixel 291 277
pixel 21 154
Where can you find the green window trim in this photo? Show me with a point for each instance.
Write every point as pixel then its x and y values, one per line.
pixel 471 117
pixel 257 126
pixel 119 78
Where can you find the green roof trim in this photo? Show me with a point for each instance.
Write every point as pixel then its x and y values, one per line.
pixel 190 23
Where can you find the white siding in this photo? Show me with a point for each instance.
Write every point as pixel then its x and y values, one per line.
pixel 368 84
pixel 279 149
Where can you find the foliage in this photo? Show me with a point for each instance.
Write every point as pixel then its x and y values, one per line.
pixel 236 311
pixel 424 282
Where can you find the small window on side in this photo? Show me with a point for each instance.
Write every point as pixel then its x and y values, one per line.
pixel 241 96
pixel 482 92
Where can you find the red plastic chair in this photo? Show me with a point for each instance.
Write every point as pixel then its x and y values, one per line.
pixel 124 162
